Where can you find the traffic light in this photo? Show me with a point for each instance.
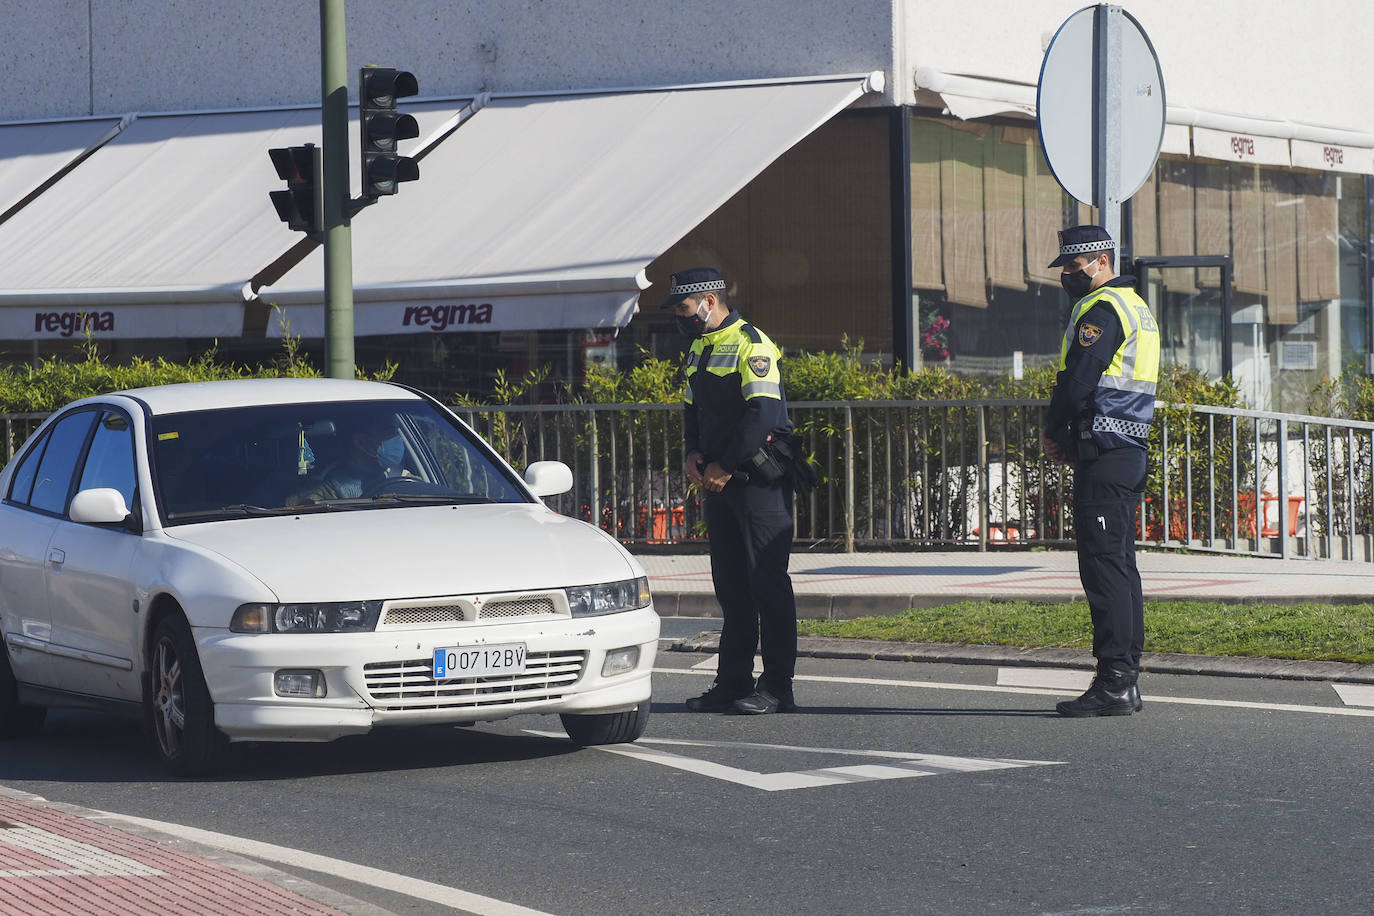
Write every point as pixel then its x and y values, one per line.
pixel 299 205
pixel 381 128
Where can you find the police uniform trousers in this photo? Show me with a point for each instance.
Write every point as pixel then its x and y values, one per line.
pixel 750 530
pixel 1106 497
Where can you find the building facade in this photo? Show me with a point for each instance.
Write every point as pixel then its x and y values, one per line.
pixel 868 171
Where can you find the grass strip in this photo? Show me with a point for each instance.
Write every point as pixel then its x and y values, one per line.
pixel 1307 632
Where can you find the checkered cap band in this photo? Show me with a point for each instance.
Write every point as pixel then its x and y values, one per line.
pixel 705 286
pixel 1084 247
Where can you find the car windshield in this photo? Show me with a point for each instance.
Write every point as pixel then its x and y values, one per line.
pixel 291 458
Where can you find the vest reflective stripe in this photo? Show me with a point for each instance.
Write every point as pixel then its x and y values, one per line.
pixel 728 361
pixel 755 389
pixel 1123 405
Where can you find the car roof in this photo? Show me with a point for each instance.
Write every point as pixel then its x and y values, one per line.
pixel 253 392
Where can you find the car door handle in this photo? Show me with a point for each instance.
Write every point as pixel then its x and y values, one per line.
pixel 57 556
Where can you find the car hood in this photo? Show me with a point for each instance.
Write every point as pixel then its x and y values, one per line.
pixel 415 551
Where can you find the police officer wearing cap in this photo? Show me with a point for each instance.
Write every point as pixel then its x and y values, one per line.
pixel 733 400
pixel 1099 420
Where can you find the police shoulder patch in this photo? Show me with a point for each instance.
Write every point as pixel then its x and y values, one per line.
pixel 759 365
pixel 1088 334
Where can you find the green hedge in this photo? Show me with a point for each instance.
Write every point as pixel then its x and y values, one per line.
pixel 55 381
pixel 844 375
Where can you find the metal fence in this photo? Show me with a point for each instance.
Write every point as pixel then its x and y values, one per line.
pixel 922 474
pixel 961 474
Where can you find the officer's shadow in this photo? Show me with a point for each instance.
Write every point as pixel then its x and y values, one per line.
pixel 918 711
pixel 661 708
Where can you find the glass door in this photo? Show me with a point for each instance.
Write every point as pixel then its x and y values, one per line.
pixel 1191 299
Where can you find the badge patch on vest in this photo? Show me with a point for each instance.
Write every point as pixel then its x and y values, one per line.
pixel 759 365
pixel 1088 334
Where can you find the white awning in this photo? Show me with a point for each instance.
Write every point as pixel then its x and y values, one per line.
pixel 36 152
pixel 1256 139
pixel 969 97
pixel 543 211
pixel 173 211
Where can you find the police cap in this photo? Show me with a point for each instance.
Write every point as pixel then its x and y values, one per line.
pixel 691 282
pixel 1078 240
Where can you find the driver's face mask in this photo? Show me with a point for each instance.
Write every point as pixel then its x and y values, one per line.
pixel 391 452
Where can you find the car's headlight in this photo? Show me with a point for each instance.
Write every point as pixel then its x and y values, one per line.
pixel 336 617
pixel 609 597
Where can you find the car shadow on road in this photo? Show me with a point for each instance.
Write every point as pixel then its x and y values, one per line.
pixel 76 746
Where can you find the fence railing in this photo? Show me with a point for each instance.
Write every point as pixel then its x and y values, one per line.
pixel 920 474
pixel 961 474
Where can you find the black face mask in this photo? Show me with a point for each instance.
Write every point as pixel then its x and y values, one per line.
pixel 690 325
pixel 693 325
pixel 1077 284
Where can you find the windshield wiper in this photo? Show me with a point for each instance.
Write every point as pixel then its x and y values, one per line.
pixel 240 509
pixel 456 498
pixel 408 498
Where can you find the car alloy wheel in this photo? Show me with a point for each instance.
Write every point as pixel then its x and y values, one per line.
pixel 182 712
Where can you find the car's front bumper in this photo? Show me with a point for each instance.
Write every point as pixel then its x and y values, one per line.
pixel 385 678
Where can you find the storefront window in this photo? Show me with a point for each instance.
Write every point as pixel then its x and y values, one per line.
pixel 985 210
pixel 985 217
pixel 1298 243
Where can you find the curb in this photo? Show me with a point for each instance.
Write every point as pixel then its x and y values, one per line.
pixel 326 898
pixel 1153 662
pixel 848 607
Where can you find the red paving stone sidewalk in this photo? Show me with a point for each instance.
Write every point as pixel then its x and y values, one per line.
pixel 55 864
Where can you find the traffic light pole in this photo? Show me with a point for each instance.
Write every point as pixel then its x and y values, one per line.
pixel 338 241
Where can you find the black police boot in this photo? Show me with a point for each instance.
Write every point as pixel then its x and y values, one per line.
pixel 766 699
pixel 720 698
pixel 1109 695
pixel 1137 704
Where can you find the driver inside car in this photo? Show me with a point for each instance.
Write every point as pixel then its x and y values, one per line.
pixel 376 453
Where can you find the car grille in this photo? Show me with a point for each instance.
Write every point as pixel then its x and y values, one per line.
pixel 438 613
pixel 410 684
pixel 430 612
pixel 524 607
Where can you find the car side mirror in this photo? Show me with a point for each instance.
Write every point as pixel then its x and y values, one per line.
pixel 548 478
pixel 98 506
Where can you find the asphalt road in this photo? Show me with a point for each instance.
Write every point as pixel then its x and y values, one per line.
pixel 899 788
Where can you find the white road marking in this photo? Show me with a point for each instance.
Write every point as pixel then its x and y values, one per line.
pixel 1058 678
pixel 1048 691
pixel 1355 694
pixel 80 858
pixel 908 764
pixel 361 874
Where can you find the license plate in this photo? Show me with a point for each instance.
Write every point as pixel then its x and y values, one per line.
pixel 479 661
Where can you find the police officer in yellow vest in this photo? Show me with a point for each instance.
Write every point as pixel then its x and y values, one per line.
pixel 1099 420
pixel 733 401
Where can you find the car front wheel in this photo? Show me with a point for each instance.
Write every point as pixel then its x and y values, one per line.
pixel 606 728
pixel 182 712
pixel 16 719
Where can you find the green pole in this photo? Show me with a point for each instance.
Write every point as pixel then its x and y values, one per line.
pixel 338 241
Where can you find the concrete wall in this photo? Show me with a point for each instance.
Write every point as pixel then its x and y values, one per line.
pixel 160 55
pixel 1302 62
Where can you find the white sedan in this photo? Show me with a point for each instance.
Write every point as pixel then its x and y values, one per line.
pixel 302 559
